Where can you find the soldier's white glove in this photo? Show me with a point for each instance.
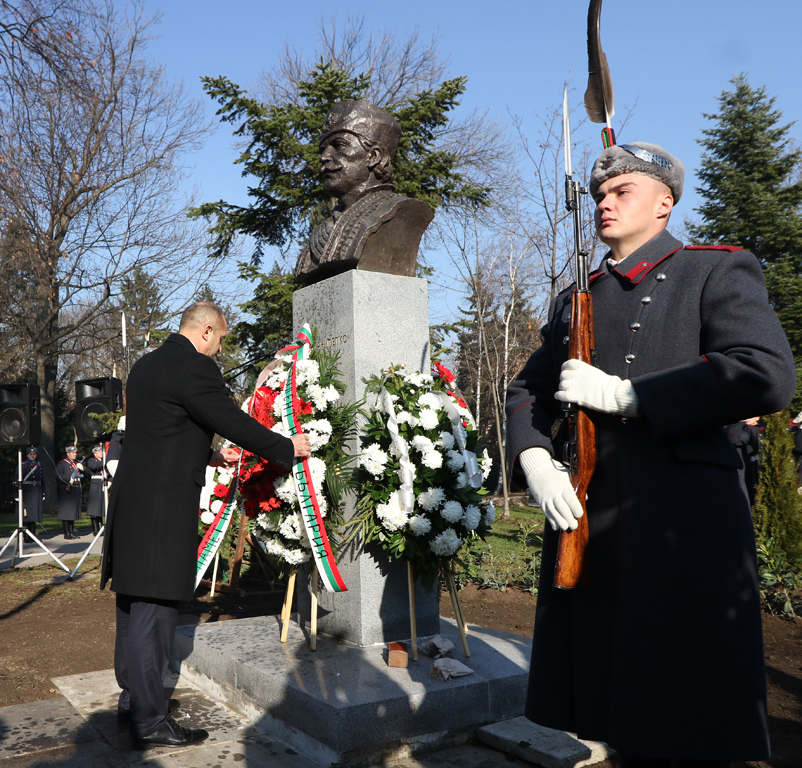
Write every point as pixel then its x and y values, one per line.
pixel 586 386
pixel 550 484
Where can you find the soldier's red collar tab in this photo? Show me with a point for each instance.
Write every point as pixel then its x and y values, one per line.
pixel 729 248
pixel 642 268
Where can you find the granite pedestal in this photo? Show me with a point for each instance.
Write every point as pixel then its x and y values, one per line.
pixel 372 320
pixel 342 704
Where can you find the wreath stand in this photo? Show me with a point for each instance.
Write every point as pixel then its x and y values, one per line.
pixel 286 608
pixel 452 589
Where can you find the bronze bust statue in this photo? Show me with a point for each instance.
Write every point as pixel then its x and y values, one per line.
pixel 372 227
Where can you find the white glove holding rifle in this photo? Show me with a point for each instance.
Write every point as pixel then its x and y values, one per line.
pixel 550 484
pixel 588 387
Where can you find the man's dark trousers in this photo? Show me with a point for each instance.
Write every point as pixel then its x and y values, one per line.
pixel 145 629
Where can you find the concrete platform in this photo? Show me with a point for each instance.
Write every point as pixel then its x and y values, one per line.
pixel 80 730
pixel 343 704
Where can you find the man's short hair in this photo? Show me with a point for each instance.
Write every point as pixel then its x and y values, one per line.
pixel 201 314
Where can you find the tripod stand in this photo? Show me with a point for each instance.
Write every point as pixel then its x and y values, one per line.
pixel 105 508
pixel 20 532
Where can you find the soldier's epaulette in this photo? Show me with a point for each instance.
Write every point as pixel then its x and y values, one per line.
pixel 729 248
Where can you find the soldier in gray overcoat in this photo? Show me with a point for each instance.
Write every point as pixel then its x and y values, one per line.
pixel 661 655
pixel 68 485
pixel 96 503
pixel 32 478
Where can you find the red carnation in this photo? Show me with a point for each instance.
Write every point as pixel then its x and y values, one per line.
pixel 443 372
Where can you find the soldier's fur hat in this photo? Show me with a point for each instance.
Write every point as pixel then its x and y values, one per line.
pixel 638 157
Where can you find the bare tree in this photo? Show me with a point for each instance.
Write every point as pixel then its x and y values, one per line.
pixel 91 141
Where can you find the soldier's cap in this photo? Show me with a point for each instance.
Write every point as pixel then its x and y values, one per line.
pixel 638 157
pixel 70 449
pixel 363 119
pixel 32 449
pixel 98 447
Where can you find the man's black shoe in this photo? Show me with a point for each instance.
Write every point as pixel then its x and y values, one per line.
pixel 171 734
pixel 123 713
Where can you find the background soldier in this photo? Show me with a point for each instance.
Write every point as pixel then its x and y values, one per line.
pixel 32 478
pixel 68 482
pixel 96 503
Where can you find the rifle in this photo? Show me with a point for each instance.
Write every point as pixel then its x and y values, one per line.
pixel 580 448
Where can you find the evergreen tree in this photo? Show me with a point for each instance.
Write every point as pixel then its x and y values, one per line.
pixel 752 197
pixel 282 156
pixel 778 505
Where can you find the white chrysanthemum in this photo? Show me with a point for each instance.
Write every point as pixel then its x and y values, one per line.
pixel 490 513
pixel 448 440
pixel 452 511
pixel 285 489
pixel 456 461
pixel 276 378
pixel 296 556
pixel 246 405
pixel 306 372
pixel 432 459
pixel 428 418
pixel 374 459
pixel 419 379
pixel 472 517
pixel 446 543
pixel 430 400
pixel 431 498
pixel 332 395
pixel 420 525
pixel 225 477
pixel 422 443
pixel 392 516
pixel 264 521
pixel 319 432
pixel 207 518
pixel 486 463
pixel 462 480
pixel 290 527
pixel 280 429
pixel 322 504
pixel 405 417
pixel 318 469
pixel 317 395
pixel 277 407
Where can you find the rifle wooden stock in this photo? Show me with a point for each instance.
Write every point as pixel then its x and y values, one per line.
pixel 569 569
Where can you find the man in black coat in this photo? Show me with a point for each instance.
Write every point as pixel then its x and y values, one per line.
pixel 175 403
pixel 661 655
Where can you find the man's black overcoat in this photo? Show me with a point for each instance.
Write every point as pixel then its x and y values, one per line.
pixel 662 655
pixel 175 402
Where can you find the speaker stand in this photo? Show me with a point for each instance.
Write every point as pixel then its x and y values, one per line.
pixel 20 532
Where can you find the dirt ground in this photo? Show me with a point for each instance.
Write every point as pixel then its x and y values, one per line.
pixel 52 627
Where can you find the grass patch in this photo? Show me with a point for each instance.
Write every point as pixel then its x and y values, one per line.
pixel 8 522
pixel 510 555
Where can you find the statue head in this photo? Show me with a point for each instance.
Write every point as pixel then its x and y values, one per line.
pixel 357 146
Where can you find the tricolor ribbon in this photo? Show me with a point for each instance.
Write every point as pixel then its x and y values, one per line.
pixel 301 474
pixel 213 537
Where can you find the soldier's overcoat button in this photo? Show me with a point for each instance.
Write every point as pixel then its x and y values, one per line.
pixel 629 358
pixel 659 277
pixel 634 326
pixel 646 300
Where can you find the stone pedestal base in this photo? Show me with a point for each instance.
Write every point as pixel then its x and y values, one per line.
pixel 344 705
pixel 373 320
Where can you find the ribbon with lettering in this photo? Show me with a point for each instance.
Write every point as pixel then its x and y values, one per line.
pixel 406 470
pixel 302 475
pixel 213 537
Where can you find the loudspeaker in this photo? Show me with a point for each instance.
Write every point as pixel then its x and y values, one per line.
pixel 94 397
pixel 20 419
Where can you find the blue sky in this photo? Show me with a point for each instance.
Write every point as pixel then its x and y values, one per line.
pixel 670 61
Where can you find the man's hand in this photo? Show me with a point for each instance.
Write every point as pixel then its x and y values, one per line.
pixel 226 457
pixel 588 387
pixel 550 484
pixel 302 446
